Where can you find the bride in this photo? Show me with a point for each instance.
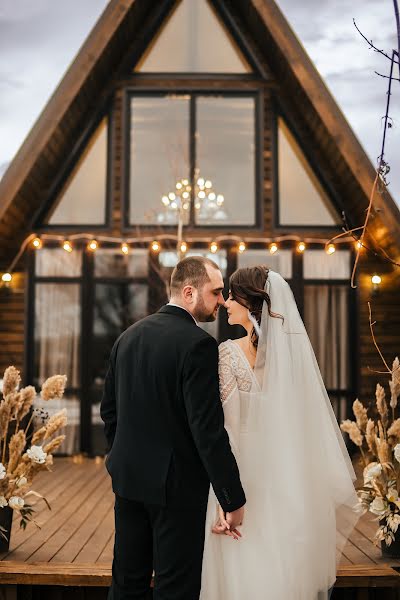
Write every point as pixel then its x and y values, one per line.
pixel 298 477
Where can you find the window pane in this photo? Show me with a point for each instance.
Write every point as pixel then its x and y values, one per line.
pixel 326 319
pixel 83 198
pixel 281 261
pixel 169 258
pixel 111 263
pixel 56 347
pixel 56 262
pixel 193 40
pixel 117 306
pixel 320 265
pixel 159 156
pixel 226 157
pixel 302 199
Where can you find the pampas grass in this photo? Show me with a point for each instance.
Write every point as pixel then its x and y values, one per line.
pixel 378 438
pixel 19 465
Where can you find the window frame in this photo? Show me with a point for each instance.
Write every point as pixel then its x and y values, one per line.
pixel 39 221
pixel 194 91
pixel 279 112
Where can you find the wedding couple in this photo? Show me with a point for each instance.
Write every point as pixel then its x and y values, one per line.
pixel 181 413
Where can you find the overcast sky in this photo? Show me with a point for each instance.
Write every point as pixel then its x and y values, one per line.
pixel 39 39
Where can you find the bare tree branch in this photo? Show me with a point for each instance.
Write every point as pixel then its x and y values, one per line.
pixel 371 45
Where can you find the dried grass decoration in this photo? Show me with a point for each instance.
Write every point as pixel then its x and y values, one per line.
pixel 20 464
pixel 378 439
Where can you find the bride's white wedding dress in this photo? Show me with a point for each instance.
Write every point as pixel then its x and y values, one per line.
pixel 294 467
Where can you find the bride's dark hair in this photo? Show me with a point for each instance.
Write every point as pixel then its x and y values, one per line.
pixel 247 287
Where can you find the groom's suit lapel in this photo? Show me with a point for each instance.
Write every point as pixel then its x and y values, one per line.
pixel 178 312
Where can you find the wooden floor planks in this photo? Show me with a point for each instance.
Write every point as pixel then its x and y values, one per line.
pixel 74 545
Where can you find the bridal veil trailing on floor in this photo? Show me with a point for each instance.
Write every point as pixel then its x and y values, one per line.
pixel 295 468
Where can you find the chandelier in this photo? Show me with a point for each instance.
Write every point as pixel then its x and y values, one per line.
pixel 207 203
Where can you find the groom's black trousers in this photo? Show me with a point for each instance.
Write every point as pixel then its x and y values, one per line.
pixel 170 540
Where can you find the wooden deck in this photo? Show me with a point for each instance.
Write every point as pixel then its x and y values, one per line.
pixel 74 545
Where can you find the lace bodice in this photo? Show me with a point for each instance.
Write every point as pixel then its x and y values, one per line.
pixel 234 370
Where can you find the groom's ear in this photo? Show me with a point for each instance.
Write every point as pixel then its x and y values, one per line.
pixel 188 293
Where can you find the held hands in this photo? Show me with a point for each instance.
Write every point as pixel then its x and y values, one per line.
pixel 228 524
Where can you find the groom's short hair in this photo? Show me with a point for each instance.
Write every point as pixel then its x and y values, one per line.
pixel 191 271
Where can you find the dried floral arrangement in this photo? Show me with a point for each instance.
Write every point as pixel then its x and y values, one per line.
pixel 19 467
pixel 378 439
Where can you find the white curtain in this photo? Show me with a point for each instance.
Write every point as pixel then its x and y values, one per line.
pixel 326 319
pixel 57 335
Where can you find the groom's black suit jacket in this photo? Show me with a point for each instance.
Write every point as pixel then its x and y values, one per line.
pixel 163 416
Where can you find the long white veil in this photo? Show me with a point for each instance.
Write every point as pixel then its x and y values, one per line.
pixel 306 501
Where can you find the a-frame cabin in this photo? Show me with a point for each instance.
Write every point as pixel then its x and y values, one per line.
pixel 214 105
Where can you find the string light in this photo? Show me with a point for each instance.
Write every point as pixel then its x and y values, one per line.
pixel 301 247
pixel 213 247
pixel 67 246
pixel 93 245
pixel 376 279
pixel 156 245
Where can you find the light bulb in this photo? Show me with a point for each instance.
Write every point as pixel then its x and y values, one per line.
pixel 211 196
pixel 92 245
pixel 171 196
pixel 208 184
pixel 220 199
pixel 67 246
pixel 124 248
pixel 155 246
pixel 174 205
pixel 185 195
pixel 376 279
pixel 359 245
pixel 201 194
pixel 241 247
pixel 37 243
pixel 165 200
pixel 6 277
pixel 273 248
pixel 178 185
pixel 185 181
pixel 301 247
pixel 331 249
pixel 213 247
pixel 200 182
pixel 183 247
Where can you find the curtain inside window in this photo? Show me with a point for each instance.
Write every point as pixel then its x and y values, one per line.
pixel 57 337
pixel 326 320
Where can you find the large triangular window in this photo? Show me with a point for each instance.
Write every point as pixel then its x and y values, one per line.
pixel 302 198
pixel 193 40
pixel 82 200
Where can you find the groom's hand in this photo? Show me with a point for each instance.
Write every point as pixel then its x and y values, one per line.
pixel 222 526
pixel 235 519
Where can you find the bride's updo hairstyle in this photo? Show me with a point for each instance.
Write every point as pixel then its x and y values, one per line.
pixel 247 286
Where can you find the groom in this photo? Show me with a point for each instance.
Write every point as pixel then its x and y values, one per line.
pixel 166 439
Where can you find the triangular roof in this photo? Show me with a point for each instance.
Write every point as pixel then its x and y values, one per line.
pixel 28 178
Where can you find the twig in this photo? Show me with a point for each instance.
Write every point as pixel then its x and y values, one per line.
pixel 386 76
pixel 369 42
pixel 371 324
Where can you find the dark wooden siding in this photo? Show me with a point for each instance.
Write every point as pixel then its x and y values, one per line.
pixel 12 323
